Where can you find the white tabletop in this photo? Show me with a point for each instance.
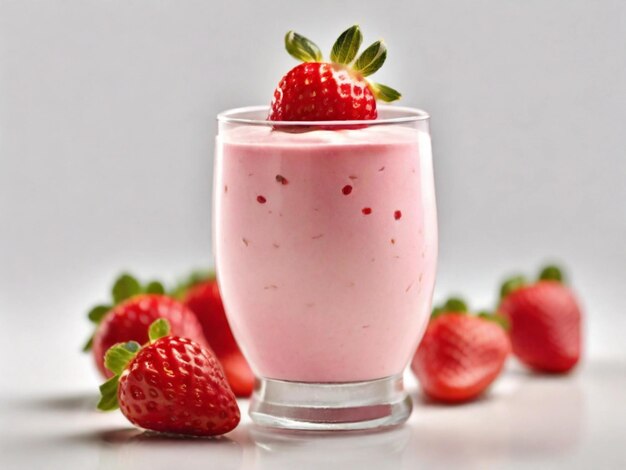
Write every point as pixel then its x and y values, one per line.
pixel 576 421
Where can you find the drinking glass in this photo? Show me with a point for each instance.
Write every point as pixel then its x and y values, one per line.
pixel 325 241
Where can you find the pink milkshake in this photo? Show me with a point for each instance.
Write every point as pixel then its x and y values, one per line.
pixel 326 243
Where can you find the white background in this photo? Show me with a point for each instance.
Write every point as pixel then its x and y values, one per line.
pixel 107 122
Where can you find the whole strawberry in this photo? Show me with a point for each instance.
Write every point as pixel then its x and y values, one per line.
pixel 136 308
pixel 545 321
pixel 202 296
pixel 171 385
pixel 331 91
pixel 460 355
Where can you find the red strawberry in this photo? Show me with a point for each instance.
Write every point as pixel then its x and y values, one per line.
pixel 238 374
pixel 318 91
pixel 460 355
pixel 545 322
pixel 204 299
pixel 331 91
pixel 129 321
pixel 171 385
pixel 134 312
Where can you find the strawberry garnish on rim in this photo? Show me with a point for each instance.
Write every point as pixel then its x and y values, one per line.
pixel 331 91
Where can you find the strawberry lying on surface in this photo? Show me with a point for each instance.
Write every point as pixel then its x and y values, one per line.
pixel 545 321
pixel 171 385
pixel 134 308
pixel 331 91
pixel 202 296
pixel 460 354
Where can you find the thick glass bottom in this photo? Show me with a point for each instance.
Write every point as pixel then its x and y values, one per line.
pixel 330 406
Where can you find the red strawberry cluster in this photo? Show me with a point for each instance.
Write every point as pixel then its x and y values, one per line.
pixel 185 383
pixel 194 310
pixel 461 355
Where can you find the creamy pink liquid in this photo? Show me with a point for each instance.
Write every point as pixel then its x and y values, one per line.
pixel 326 246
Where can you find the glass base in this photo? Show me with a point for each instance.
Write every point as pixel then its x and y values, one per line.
pixel 330 406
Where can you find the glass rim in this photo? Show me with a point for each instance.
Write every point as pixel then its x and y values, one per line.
pixel 405 115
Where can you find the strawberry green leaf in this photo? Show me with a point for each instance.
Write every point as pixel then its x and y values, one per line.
pixel 496 318
pixel 371 59
pixel 118 356
pixel 302 48
pixel 452 305
pixel 125 287
pixel 108 394
pixel 455 304
pixel 437 311
pixel 551 273
pixel 97 313
pixel 158 329
pixel 196 277
pixel 512 284
pixel 89 344
pixel 347 46
pixel 384 92
pixel 154 287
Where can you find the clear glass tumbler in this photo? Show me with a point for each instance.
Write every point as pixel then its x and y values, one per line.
pixel 325 241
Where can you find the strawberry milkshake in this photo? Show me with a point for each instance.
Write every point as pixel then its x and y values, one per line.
pixel 325 239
